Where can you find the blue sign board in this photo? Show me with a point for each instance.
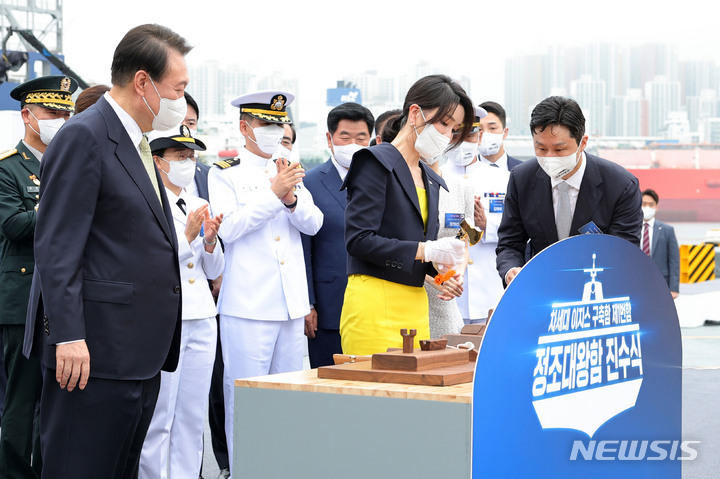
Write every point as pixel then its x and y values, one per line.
pixel 338 96
pixel 579 372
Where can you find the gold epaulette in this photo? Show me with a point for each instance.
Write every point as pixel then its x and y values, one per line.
pixel 8 154
pixel 227 163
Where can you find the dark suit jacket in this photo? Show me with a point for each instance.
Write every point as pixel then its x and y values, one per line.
pixel 201 180
pixel 383 223
pixel 18 197
pixel 609 196
pixel 106 254
pixel 666 254
pixel 512 162
pixel 325 253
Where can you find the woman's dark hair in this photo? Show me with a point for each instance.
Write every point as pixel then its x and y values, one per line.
pixel 89 96
pixel 435 91
pixel 145 47
pixel 388 134
pixel 558 110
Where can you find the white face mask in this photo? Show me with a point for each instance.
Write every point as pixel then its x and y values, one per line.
pixel 170 114
pixel 648 213
pixel 464 154
pixel 430 143
pixel 267 138
pixel 490 143
pixel 282 152
pixel 343 153
pixel 181 172
pixel 48 128
pixel 558 166
pixel 193 133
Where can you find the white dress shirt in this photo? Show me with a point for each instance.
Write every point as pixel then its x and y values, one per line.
pixel 501 162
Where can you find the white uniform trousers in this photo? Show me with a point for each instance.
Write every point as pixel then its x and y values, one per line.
pixel 253 348
pixel 174 442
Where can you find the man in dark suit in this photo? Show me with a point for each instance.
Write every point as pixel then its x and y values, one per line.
pixel 45 104
pixel 104 314
pixel 563 190
pixel 349 127
pixel 660 243
pixel 494 132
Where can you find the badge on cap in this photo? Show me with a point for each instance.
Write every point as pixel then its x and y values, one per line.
pixel 185 131
pixel 278 103
pixel 65 84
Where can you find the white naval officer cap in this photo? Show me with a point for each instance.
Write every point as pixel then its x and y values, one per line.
pixel 266 105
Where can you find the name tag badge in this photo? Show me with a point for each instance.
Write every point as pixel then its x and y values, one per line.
pixel 453 220
pixel 33 189
pixel 590 229
pixel 496 205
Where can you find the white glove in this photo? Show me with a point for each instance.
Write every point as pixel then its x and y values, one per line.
pixel 446 251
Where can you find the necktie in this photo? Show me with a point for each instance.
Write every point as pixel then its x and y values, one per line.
pixel 147 161
pixel 563 218
pixel 493 164
pixel 181 204
pixel 646 239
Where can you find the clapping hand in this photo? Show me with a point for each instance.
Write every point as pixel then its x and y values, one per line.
pixel 195 221
pixel 212 226
pixel 283 183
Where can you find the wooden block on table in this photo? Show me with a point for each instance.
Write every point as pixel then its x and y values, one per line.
pixel 419 360
pixel 362 371
pixel 476 329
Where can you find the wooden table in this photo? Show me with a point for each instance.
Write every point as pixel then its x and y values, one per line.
pixel 296 425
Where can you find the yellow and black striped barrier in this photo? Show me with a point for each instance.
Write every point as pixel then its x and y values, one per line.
pixel 697 262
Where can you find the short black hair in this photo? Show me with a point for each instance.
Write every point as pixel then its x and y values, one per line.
pixel 558 110
pixel 497 109
pixel 652 194
pixel 145 47
pixel 294 133
pixel 435 91
pixel 352 112
pixel 192 103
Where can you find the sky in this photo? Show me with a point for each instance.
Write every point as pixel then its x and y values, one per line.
pixel 319 41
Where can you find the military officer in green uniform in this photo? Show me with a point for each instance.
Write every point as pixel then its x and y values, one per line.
pixel 45 104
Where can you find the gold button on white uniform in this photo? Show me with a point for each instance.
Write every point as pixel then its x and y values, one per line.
pixel 470 262
pixel 282 262
pixel 191 281
pixel 190 265
pixel 277 238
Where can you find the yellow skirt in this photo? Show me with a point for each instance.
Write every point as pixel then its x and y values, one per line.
pixel 375 310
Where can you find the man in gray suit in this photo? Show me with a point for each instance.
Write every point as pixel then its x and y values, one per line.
pixel 659 242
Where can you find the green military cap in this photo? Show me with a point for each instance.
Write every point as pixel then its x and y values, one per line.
pixel 54 92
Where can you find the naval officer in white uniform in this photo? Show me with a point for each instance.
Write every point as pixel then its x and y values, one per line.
pixel 264 298
pixel 482 290
pixel 174 442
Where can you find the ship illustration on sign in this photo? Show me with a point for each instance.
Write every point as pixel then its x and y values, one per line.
pixel 589 364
